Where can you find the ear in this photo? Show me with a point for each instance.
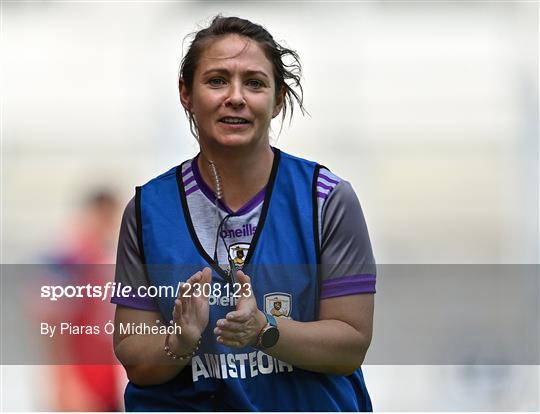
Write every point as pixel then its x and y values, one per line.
pixel 280 99
pixel 185 96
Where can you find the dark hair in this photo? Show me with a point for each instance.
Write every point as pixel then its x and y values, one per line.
pixel 275 52
pixel 101 198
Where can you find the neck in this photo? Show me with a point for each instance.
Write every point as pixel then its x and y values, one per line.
pixel 243 172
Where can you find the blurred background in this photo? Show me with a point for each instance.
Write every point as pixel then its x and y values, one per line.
pixel 430 110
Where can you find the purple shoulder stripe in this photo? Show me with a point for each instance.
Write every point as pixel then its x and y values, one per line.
pixel 325 186
pixel 187 170
pixel 192 190
pixel 136 303
pixel 348 285
pixel 322 195
pixel 330 180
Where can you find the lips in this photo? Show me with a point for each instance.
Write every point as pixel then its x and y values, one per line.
pixel 234 120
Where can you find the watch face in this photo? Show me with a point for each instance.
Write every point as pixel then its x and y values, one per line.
pixel 270 337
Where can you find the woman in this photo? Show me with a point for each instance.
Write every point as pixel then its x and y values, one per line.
pixel 293 334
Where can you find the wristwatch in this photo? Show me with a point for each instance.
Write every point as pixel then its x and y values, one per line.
pixel 269 335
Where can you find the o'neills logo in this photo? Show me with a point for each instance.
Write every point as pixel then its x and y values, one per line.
pixel 222 300
pixel 236 365
pixel 246 230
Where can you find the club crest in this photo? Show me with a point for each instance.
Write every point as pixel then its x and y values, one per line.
pixel 238 252
pixel 278 304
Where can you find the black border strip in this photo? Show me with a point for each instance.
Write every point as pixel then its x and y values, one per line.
pixel 138 218
pixel 266 205
pixel 315 204
pixel 315 207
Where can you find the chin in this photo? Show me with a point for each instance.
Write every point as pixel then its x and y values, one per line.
pixel 235 140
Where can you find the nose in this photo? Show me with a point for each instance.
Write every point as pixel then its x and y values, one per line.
pixel 235 98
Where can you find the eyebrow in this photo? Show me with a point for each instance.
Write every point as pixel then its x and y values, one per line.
pixel 247 72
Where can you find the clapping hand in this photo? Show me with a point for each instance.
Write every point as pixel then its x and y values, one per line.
pixel 192 312
pixel 241 327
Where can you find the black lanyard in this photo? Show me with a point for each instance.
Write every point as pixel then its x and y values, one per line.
pixel 232 266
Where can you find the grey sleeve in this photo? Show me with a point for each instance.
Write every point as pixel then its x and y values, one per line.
pixel 130 270
pixel 347 262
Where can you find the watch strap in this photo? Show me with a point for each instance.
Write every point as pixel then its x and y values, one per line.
pixel 271 319
pixel 271 323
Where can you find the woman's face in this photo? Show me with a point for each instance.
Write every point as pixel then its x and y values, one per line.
pixel 233 98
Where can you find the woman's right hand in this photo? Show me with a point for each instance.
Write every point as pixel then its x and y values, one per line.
pixel 191 312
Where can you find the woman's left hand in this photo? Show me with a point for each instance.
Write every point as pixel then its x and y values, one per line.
pixel 241 327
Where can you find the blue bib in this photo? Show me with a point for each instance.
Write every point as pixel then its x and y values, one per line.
pixel 282 263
